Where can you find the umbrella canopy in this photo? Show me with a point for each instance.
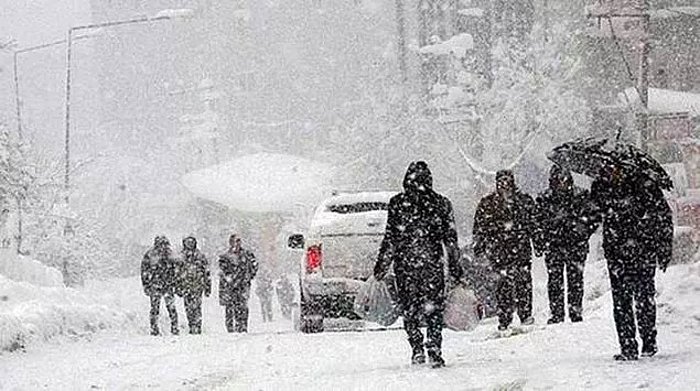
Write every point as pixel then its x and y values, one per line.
pixel 262 182
pixel 588 156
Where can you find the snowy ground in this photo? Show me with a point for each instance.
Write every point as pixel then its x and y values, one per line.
pixel 273 357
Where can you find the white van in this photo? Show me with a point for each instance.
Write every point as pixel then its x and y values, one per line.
pixel 340 250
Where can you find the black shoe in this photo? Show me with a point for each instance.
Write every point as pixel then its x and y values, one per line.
pixel 649 351
pixel 576 318
pixel 554 320
pixel 625 357
pixel 436 360
pixel 418 357
pixel 528 321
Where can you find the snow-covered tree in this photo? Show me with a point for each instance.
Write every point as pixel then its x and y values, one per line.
pixel 533 100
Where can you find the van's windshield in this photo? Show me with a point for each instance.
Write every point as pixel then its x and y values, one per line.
pixel 357 207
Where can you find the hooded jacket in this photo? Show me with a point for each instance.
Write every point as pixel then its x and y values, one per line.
pixel 637 221
pixel 419 223
pixel 504 228
pixel 159 269
pixel 195 278
pixel 565 215
pixel 237 272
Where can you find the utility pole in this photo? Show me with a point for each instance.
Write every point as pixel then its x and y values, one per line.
pixel 66 174
pixel 401 38
pixel 643 79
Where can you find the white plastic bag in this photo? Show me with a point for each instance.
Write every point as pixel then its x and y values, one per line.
pixel 375 304
pixel 461 309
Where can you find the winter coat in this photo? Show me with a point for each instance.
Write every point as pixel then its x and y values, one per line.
pixel 637 221
pixel 195 278
pixel 419 223
pixel 237 271
pixel 503 230
pixel 159 271
pixel 565 217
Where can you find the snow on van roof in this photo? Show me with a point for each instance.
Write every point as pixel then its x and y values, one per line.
pixel 353 198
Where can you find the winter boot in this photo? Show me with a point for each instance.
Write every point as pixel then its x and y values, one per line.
pixel 649 350
pixel 436 360
pixel 576 318
pixel 528 321
pixel 625 357
pixel 554 320
pixel 418 357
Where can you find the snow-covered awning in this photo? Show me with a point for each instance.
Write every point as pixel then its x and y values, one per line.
pixel 666 101
pixel 263 182
pixel 472 12
pixel 675 12
pixel 457 45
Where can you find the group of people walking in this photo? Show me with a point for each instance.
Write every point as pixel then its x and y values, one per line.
pixel 557 224
pixel 165 275
pixel 637 237
pixel 508 225
pixel 421 236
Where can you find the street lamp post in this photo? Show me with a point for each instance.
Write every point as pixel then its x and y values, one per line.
pixel 18 113
pixel 15 68
pixel 160 16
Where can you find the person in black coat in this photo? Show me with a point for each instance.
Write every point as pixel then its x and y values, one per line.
pixel 159 270
pixel 565 223
pixel 504 227
pixel 195 281
pixel 637 237
pixel 419 223
pixel 238 268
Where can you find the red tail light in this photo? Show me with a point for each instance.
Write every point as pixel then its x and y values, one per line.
pixel 314 259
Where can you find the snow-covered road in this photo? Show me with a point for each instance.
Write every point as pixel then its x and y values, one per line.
pixel 560 357
pixel 273 357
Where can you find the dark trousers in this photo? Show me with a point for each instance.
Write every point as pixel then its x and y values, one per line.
pixel 572 263
pixel 193 309
pixel 431 312
pixel 169 299
pixel 237 316
pixel 633 283
pixel 514 292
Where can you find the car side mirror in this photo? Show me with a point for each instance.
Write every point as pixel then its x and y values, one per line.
pixel 296 242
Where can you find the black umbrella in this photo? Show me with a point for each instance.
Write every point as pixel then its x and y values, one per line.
pixel 588 156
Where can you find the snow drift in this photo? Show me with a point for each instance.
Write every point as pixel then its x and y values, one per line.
pixel 20 268
pixel 31 313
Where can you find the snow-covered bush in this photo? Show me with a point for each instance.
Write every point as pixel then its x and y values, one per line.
pixel 31 314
